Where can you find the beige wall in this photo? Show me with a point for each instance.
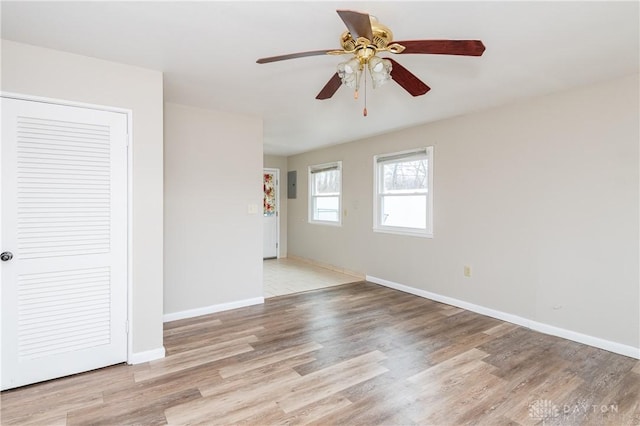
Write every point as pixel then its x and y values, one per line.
pixel 213 246
pixel 277 162
pixel 540 198
pixel 49 73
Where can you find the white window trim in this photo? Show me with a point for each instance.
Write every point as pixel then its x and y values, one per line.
pixel 415 232
pixel 310 195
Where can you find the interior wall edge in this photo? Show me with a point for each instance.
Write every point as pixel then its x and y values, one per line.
pixel 146 356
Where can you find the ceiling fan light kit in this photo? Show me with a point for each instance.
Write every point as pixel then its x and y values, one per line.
pixel 364 39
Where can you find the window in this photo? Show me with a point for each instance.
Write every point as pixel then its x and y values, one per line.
pixel 325 193
pixel 403 202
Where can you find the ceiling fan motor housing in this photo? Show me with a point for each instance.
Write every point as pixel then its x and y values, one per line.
pixel 382 36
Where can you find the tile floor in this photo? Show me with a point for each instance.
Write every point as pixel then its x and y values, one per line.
pixel 287 276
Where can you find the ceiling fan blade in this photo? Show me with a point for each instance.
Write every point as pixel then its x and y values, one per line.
pixel 294 56
pixel 358 24
pixel 407 80
pixel 443 47
pixel 330 88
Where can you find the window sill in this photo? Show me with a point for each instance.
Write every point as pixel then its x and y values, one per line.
pixel 404 231
pixel 323 222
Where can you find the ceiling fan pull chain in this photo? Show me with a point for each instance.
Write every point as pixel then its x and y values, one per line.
pixel 364 111
pixel 358 81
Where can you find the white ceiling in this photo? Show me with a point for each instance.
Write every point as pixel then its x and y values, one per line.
pixel 207 51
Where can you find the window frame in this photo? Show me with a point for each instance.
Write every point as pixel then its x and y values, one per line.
pixel 311 197
pixel 378 161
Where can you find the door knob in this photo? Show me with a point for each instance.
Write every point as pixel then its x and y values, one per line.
pixel 6 255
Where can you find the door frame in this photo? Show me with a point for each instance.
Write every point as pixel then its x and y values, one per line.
pixel 277 173
pixel 128 113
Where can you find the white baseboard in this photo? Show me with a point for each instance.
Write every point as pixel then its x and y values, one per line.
pixel 586 339
pixel 212 309
pixel 140 357
pixel 358 275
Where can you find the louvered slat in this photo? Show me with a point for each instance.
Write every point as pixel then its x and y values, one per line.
pixel 63 185
pixel 63 190
pixel 75 304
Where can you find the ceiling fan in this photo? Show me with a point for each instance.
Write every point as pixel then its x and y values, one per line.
pixel 364 39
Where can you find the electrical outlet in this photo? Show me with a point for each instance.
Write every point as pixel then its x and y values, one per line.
pixel 467 271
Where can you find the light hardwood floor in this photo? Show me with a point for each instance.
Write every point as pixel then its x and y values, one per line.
pixel 351 354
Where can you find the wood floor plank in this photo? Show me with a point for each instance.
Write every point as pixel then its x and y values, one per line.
pixel 197 377
pixel 45 394
pixel 185 360
pixel 209 412
pixel 459 346
pixel 384 399
pixel 49 418
pixel 555 389
pixel 390 410
pixel 218 337
pixel 320 384
pixel 517 392
pixel 196 327
pixel 232 405
pixel 459 390
pixel 415 322
pixel 501 329
pixel 466 398
pixel 255 377
pixel 147 409
pixel 459 364
pixel 56 402
pixel 623 402
pixel 49 402
pixel 355 354
pixel 314 412
pixel 263 361
pixel 451 310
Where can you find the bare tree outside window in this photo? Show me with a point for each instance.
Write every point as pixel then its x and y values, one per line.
pixel 325 183
pixel 408 175
pixel 403 202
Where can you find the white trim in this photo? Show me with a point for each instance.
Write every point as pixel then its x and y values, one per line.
pixel 130 327
pixel 414 232
pixel 310 195
pixel 359 275
pixel 402 231
pixel 46 100
pixel 324 222
pixel 146 356
pixel 129 114
pixel 212 309
pixel 277 173
pixel 586 339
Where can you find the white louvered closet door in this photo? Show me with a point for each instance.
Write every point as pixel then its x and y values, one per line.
pixel 64 219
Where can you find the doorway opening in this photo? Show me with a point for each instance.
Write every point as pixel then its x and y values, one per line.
pixel 271 214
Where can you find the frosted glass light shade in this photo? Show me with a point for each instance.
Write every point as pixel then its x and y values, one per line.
pixel 380 70
pixel 349 72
